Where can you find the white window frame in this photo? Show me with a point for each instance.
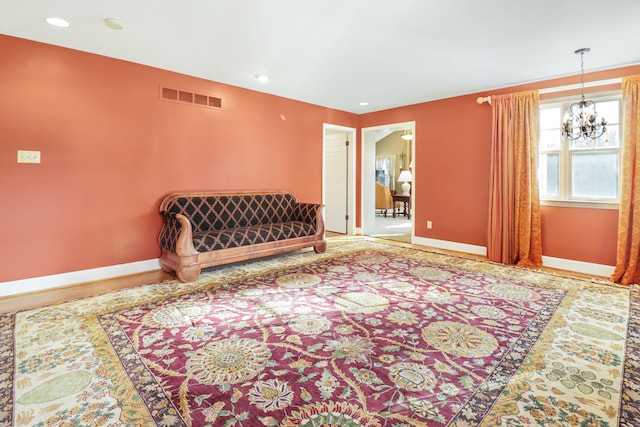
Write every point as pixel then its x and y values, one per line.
pixel 564 197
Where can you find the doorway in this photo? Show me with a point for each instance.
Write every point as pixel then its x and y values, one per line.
pixel 376 169
pixel 338 178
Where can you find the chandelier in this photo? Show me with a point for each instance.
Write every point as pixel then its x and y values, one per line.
pixel 407 135
pixel 580 121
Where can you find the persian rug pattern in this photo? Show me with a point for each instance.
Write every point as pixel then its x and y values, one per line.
pixel 364 335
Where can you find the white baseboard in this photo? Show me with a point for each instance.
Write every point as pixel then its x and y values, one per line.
pixel 72 278
pixel 578 266
pixel 588 268
pixel 451 246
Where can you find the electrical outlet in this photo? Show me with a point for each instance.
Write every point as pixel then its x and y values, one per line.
pixel 25 156
pixel 429 225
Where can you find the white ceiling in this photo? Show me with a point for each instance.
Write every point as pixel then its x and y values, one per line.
pixel 338 53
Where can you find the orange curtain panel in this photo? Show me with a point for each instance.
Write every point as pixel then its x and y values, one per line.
pixel 628 250
pixel 513 233
pixel 501 203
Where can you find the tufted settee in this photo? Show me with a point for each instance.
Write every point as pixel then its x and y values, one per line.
pixel 209 228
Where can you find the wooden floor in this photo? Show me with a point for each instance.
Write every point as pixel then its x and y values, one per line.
pixel 83 290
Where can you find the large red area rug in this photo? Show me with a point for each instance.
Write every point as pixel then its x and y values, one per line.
pixel 370 335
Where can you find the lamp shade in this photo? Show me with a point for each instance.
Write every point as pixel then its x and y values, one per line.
pixel 405 176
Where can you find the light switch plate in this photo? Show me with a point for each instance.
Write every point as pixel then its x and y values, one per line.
pixel 26 156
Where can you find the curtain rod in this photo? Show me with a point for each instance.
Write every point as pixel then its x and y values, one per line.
pixel 483 99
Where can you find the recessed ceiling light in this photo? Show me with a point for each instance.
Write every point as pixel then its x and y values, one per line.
pixel 262 78
pixel 113 23
pixel 57 22
pixel 364 103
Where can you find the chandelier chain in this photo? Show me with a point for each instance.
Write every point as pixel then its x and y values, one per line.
pixel 582 75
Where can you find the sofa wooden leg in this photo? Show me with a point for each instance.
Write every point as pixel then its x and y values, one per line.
pixel 189 274
pixel 320 248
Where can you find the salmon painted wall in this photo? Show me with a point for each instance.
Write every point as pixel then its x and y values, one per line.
pixel 453 144
pixel 111 148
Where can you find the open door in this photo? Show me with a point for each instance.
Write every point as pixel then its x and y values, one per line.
pixel 338 178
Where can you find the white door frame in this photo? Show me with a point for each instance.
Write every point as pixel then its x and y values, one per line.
pixel 351 173
pixel 369 137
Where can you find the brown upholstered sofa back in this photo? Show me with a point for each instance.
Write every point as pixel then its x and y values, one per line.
pixel 225 211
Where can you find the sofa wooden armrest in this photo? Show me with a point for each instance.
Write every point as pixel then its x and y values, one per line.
pixel 176 236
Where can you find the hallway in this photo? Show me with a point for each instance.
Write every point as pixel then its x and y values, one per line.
pixel 398 228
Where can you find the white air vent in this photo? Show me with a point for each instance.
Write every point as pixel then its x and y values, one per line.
pixel 186 97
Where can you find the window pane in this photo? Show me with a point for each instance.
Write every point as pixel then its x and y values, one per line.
pixel 608 110
pixel 609 139
pixel 581 144
pixel 550 118
pixel 550 140
pixel 594 174
pixel 549 175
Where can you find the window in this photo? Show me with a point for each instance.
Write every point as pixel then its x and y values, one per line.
pixel 575 171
